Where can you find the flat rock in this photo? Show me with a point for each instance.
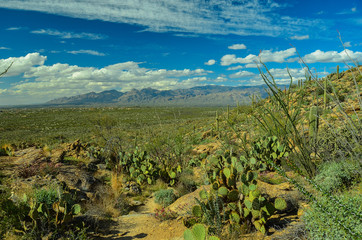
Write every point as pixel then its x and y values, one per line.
pixel 28 156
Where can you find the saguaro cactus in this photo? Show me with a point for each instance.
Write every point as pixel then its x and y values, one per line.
pixel 325 93
pixel 337 71
pixel 228 111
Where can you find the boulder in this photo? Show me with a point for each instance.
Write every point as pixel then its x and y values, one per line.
pixel 76 178
pixel 184 204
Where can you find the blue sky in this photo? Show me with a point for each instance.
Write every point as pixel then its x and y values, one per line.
pixel 64 48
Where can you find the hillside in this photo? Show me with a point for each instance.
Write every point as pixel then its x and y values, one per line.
pixel 197 96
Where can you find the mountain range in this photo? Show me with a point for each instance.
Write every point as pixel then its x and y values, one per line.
pixel 210 95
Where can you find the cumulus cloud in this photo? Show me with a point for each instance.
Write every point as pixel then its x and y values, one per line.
pixel 264 56
pixel 242 74
pixel 333 56
pixel 235 68
pixel 69 35
pixel 42 82
pixel 256 17
pixel 251 65
pixel 237 46
pixel 90 52
pixel 281 76
pixel 21 64
pixel 303 37
pixel 210 62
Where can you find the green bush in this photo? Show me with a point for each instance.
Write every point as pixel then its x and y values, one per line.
pixel 325 220
pixel 336 176
pixel 165 197
pixel 46 196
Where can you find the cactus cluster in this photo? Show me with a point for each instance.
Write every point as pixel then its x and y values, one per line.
pixel 232 203
pixel 142 168
pixel 269 148
pixel 170 174
pixel 139 165
pixel 59 212
pixel 95 153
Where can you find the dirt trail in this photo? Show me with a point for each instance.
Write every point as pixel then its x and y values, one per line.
pixel 143 225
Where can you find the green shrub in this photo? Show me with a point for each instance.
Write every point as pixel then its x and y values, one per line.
pixel 336 176
pixel 341 225
pixel 46 196
pixel 165 197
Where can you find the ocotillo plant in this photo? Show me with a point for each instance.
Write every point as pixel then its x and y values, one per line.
pixel 217 122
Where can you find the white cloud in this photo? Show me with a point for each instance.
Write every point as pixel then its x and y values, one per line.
pixel 237 46
pixel 242 74
pixel 235 68
pixel 90 52
pixel 42 82
pixel 210 62
pixel 69 35
pixel 264 56
pixel 281 76
pixel 192 82
pixel 220 79
pixel 332 56
pixel 13 28
pixel 4 48
pixel 21 64
pixel 354 9
pixel 347 44
pixel 303 37
pixel 256 17
pixel 251 65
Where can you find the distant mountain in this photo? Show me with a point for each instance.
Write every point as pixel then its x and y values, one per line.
pixel 210 95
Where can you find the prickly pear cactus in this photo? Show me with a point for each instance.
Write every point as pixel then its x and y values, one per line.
pixel 139 165
pixel 236 205
pixel 198 232
pixel 269 148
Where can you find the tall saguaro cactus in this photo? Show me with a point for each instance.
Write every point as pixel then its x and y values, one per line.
pixel 325 93
pixel 228 112
pixel 337 71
